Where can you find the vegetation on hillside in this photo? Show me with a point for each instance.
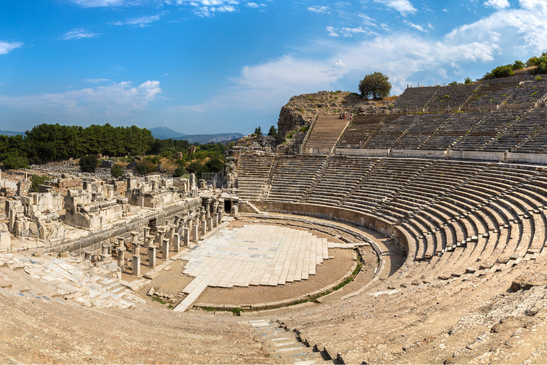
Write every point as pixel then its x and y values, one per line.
pixel 51 142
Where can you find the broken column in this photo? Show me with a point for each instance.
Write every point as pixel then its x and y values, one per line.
pixel 176 242
pixel 147 238
pixel 165 249
pixel 186 235
pixel 136 265
pixel 215 220
pixel 203 227
pixel 121 261
pixel 195 233
pixel 210 224
pixel 152 256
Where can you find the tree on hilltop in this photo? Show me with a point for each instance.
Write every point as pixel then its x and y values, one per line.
pixel 272 131
pixel 375 85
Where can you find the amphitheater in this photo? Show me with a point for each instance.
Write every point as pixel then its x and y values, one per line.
pixel 413 233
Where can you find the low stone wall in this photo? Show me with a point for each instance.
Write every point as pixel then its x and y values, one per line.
pixel 373 152
pixel 477 155
pixel 320 211
pixel 418 153
pixel 317 151
pixel 527 157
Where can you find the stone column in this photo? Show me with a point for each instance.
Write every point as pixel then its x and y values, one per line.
pixel 196 234
pixel 176 242
pixel 105 250
pixel 152 256
pixel 121 242
pixel 121 261
pixel 186 233
pixel 203 227
pixel 215 220
pixel 137 265
pixel 220 216
pixel 190 224
pixel 146 238
pixel 165 249
pixel 210 224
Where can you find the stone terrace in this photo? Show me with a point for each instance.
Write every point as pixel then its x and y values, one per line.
pixel 451 96
pixel 360 129
pixel 326 132
pixel 416 97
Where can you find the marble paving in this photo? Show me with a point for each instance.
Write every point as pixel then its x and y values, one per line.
pixel 252 255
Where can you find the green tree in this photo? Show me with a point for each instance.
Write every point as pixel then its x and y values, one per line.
pixel 89 163
pixel 197 168
pixel 145 167
pixel 518 65
pixel 36 181
pixel 179 172
pixel 500 71
pixel 467 81
pixel 117 171
pixel 453 83
pixel 272 131
pixel 214 165
pixel 375 85
pixel 258 132
pixel 15 162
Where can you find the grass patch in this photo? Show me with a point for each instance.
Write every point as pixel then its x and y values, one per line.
pixel 158 300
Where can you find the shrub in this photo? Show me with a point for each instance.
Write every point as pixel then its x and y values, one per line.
pixel 500 71
pixel 155 160
pixel 145 167
pixel 197 168
pixel 518 65
pixel 214 165
pixel 538 78
pixel 453 83
pixel 467 81
pixel 180 171
pixel 16 162
pixel 375 85
pixel 36 181
pixel 89 163
pixel 117 171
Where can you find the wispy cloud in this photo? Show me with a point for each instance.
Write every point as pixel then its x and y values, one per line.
pixel 143 21
pixel 7 47
pixel 116 100
pixel 402 6
pixel 252 5
pixel 319 9
pixel 98 3
pixel 347 32
pixel 78 33
pixel 96 81
pixel 416 26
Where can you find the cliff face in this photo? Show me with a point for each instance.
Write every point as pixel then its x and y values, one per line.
pixel 302 109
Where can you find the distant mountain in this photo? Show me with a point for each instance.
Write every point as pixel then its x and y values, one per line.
pixel 165 133
pixel 10 133
pixel 211 138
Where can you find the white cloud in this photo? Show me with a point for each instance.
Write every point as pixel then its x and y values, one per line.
pixel 252 5
pixel 402 6
pixel 166 74
pixel 116 100
pixel 347 32
pixel 319 9
pixel 78 34
pixel 96 81
pixel 7 47
pixel 332 32
pixel 498 4
pixel 415 26
pixel 140 22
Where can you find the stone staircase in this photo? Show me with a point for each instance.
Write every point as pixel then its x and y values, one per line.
pixel 286 346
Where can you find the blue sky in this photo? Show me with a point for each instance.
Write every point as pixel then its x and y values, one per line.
pixel 215 66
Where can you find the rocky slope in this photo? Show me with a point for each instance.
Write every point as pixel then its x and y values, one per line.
pixel 301 109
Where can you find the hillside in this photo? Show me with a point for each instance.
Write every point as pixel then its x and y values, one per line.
pixel 10 133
